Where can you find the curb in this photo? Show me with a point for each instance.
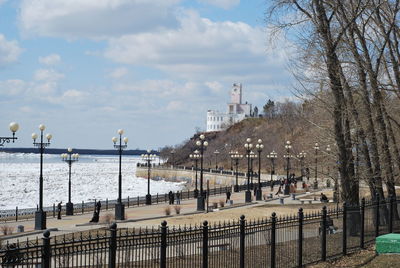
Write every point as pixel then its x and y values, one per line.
pixel 29 233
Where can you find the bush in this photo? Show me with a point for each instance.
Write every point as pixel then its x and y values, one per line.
pixel 167 210
pixel 6 230
pixel 177 209
pixel 107 218
pixel 215 204
pixel 222 203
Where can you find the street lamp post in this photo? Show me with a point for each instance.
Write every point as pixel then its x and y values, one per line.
pixel 148 158
pixel 202 144
pixel 259 147
pixel 195 157
pixel 272 156
pixel 231 153
pixel 13 128
pixel 173 158
pixel 236 158
pixel 120 207
pixel 288 147
pixel 301 156
pixel 316 148
pixel 69 158
pixel 252 156
pixel 40 215
pixel 216 152
pixel 248 147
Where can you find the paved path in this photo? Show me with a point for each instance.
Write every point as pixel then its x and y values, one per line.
pixel 78 223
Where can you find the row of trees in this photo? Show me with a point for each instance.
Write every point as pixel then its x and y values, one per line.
pixel 347 62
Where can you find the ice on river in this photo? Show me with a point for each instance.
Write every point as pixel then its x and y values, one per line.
pixel 93 177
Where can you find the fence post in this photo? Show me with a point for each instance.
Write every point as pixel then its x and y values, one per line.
pixel 112 253
pixel 157 198
pixel 391 214
pixel 377 216
pixel 128 201
pixel 163 249
pixel 205 244
pixel 323 235
pixel 273 236
pixel 54 210
pixel 83 204
pixel 106 203
pixel 46 249
pixel 362 223
pixel 242 240
pixel 300 239
pixel 188 194
pixel 344 235
pixel 138 201
pixel 16 213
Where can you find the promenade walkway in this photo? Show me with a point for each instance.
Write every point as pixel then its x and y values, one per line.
pixel 136 216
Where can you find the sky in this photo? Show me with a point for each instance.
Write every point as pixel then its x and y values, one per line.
pixel 86 68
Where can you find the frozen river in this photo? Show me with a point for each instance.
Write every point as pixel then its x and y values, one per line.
pixel 93 177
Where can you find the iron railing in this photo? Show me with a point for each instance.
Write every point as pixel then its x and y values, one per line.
pixel 289 241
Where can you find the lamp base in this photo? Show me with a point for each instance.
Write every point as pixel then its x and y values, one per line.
pixel 247 196
pixel 200 203
pixel 236 188
pixel 119 211
pixel 195 193
pixel 259 194
pixel 148 199
pixel 40 220
pixel 69 209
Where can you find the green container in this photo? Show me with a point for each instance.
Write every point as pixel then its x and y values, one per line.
pixel 388 243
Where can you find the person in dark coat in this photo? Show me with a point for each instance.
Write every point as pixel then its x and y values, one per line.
pixel 59 207
pixel 98 207
pixel 228 196
pixel 170 198
pixel 178 198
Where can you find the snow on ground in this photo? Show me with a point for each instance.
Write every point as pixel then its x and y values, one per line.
pixel 93 177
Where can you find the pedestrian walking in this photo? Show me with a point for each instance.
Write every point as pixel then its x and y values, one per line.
pixel 98 207
pixel 170 198
pixel 178 198
pixel 59 207
pixel 228 196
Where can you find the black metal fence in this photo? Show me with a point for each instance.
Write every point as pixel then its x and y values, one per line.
pixel 88 207
pixel 290 241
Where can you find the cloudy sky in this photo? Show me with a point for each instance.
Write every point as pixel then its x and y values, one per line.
pixel 86 68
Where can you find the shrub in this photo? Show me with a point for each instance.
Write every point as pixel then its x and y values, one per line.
pixel 167 210
pixel 215 204
pixel 107 218
pixel 221 203
pixel 177 209
pixel 6 230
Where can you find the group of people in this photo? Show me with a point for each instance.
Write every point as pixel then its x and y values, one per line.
pixel 171 198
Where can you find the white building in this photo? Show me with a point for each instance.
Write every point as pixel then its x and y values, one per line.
pixel 237 111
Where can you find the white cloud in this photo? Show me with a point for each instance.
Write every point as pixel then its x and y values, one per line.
pixel 175 106
pixel 226 4
pixel 12 87
pixel 118 73
pixel 94 18
pixel 215 86
pixel 48 75
pixel 202 50
pixel 51 59
pixel 9 50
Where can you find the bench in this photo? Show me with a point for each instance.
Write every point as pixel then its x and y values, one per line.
pixel 330 228
pixel 223 246
pixel 308 200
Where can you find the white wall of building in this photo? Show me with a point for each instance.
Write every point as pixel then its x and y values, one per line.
pixel 236 112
